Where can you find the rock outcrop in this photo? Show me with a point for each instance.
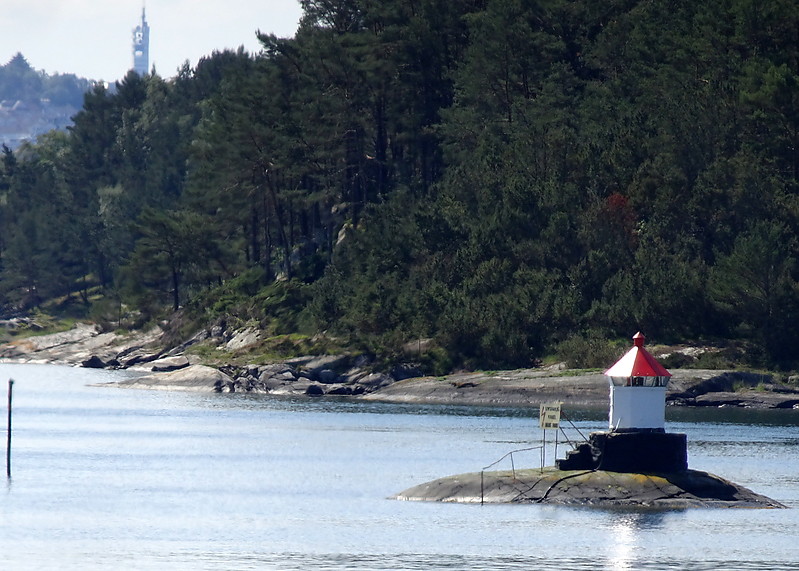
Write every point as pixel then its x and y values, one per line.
pixel 168 364
pixel 84 343
pixel 311 376
pixel 522 387
pixel 196 378
pixel 599 488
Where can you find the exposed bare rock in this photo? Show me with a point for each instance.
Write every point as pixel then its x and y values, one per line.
pixel 169 364
pixel 318 366
pixel 731 389
pixel 137 357
pixel 81 343
pixel 749 399
pixel 315 390
pixel 280 372
pixel 600 488
pixel 180 349
pixel 82 333
pixel 345 390
pixel 243 338
pixel 327 377
pixel 404 371
pixel 376 381
pixel 507 388
pixel 298 387
pixel 93 362
pixel 192 378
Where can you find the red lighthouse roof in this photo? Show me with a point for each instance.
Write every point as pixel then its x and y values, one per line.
pixel 637 362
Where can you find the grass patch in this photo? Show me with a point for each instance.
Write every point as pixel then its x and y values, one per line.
pixel 578 372
pixel 36 325
pixel 275 348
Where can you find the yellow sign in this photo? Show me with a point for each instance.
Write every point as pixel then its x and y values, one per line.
pixel 549 415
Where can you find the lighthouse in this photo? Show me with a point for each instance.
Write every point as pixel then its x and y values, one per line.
pixel 636 440
pixel 637 391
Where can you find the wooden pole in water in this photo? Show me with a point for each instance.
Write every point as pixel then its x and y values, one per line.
pixel 8 438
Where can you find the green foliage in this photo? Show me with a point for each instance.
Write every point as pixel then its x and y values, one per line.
pixel 275 307
pixel 589 351
pixel 754 284
pixel 436 361
pixel 506 178
pixel 20 82
pixel 280 305
pixel 234 293
pixel 109 313
pixel 175 252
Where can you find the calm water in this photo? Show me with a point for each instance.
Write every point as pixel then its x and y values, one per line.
pixel 104 477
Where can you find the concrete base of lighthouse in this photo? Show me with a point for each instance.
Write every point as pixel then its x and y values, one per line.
pixel 638 451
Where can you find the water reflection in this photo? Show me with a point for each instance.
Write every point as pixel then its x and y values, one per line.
pixel 622 547
pixel 261 401
pixel 732 415
pixel 406 561
pixel 625 532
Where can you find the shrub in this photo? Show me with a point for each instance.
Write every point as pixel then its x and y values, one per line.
pixel 588 351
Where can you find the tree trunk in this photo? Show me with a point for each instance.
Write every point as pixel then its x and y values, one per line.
pixel 267 261
pixel 175 286
pixel 254 243
pixel 281 227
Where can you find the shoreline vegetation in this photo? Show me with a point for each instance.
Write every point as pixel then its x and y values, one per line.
pixel 350 377
pixel 356 376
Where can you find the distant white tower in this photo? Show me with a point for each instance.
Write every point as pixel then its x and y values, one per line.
pixel 141 46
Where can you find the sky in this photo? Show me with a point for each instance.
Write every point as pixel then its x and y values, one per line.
pixel 93 38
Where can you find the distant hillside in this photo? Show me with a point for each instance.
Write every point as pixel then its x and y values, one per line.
pixel 33 102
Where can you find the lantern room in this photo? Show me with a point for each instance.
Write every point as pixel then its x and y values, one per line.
pixel 637 391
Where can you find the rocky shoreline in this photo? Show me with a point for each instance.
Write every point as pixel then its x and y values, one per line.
pixel 352 376
pixel 346 376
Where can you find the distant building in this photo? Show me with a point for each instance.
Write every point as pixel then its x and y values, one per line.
pixel 33 103
pixel 141 46
pixel 24 121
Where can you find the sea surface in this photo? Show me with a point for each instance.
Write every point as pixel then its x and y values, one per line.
pixel 107 478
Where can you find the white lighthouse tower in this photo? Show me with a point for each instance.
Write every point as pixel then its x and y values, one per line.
pixel 637 390
pixel 637 440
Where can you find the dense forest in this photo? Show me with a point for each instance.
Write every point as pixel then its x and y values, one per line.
pixel 20 82
pixel 33 102
pixel 503 179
